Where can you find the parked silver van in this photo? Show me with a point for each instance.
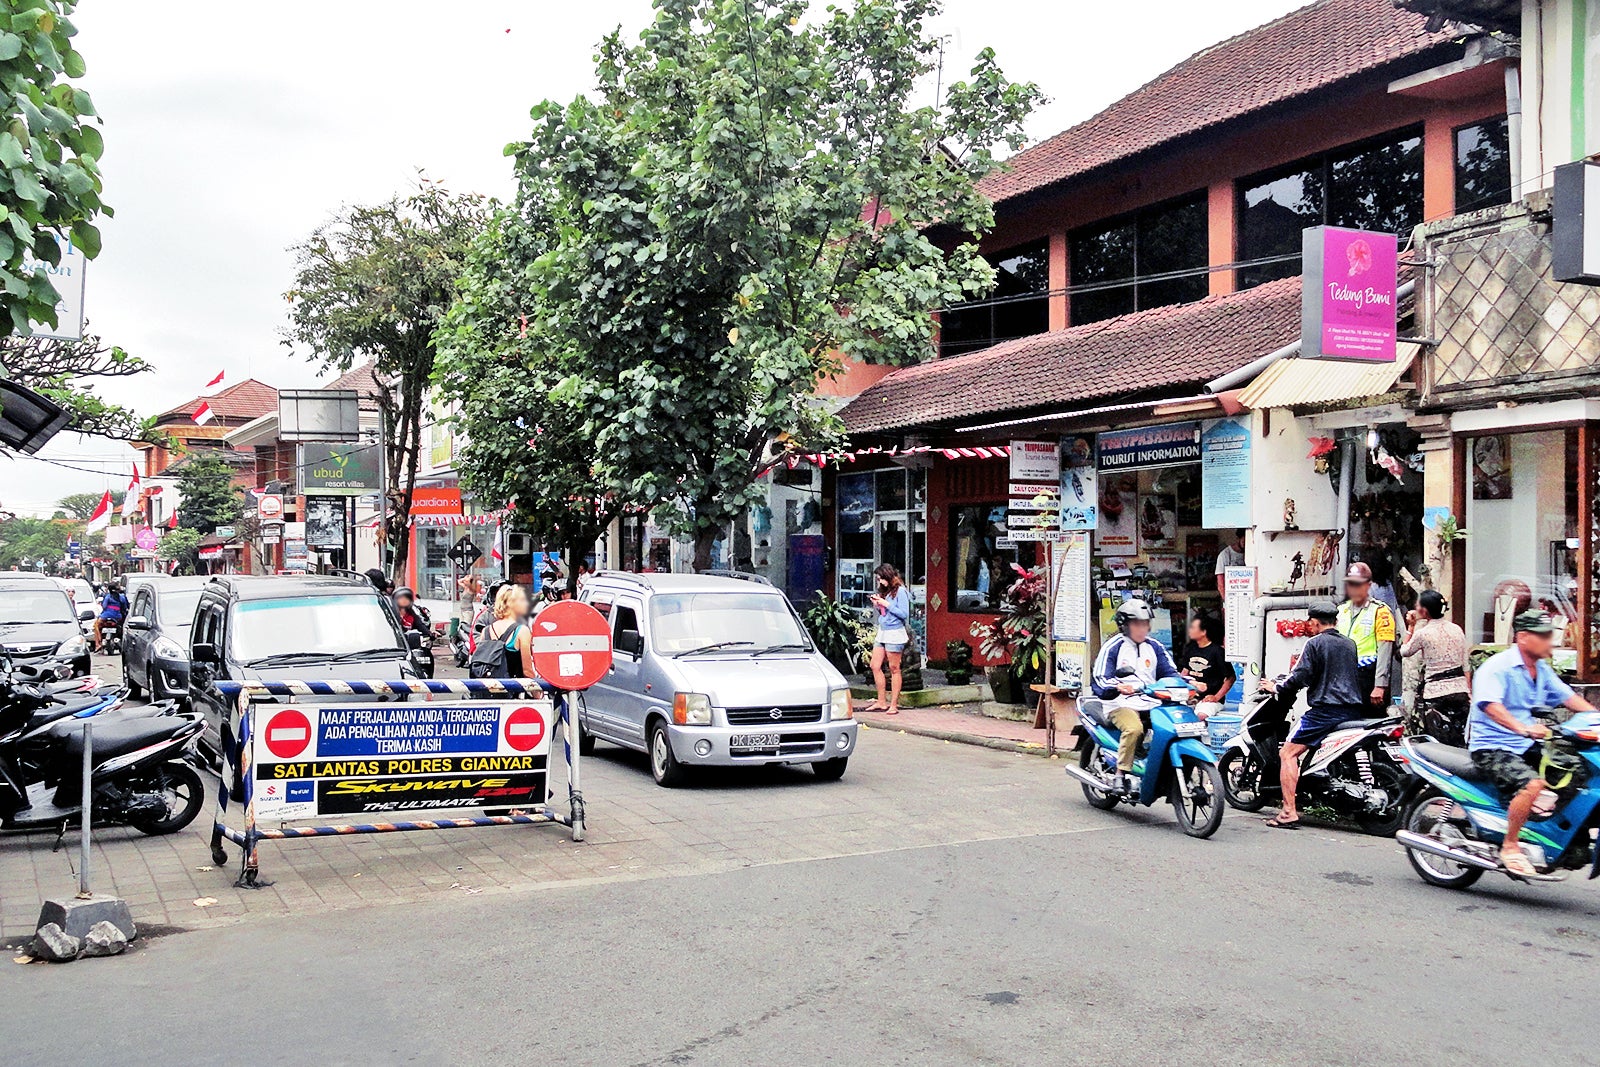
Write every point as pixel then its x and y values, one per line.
pixel 711 671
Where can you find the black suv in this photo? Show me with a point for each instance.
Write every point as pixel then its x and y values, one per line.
pixel 311 627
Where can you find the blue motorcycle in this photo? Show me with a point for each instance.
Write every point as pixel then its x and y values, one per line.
pixel 1173 762
pixel 1455 825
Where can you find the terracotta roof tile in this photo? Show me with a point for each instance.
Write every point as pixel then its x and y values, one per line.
pixel 363 379
pixel 248 400
pixel 1304 51
pixel 1165 351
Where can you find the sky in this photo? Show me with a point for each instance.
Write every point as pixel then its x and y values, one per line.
pixel 233 131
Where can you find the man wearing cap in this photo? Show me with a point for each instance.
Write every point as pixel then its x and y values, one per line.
pixel 1501 731
pixel 1327 671
pixel 1371 625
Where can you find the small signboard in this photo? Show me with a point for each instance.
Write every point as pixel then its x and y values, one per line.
pixel 571 645
pixel 464 552
pixel 67 275
pixel 1348 298
pixel 338 470
pixel 1034 511
pixel 309 761
pixel 227 533
pixel 1238 604
pixel 269 507
pixel 1148 446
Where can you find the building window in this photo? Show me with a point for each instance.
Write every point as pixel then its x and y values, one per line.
pixel 1375 185
pixel 1124 263
pixel 982 557
pixel 1483 165
pixel 1018 306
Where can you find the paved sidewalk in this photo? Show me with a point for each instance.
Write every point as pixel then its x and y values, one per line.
pixel 961 723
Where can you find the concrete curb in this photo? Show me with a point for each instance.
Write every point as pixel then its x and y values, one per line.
pixel 1001 744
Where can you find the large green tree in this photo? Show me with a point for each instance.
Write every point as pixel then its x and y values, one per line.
pixel 49 157
pixel 33 540
pixel 746 199
pixel 80 506
pixel 209 497
pixel 371 285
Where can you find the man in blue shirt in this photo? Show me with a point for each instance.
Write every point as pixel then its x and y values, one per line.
pixel 1501 731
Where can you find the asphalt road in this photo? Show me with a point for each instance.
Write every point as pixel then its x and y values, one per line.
pixel 1109 939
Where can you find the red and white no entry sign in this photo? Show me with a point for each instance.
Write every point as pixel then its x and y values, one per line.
pixel 571 645
pixel 288 734
pixel 524 729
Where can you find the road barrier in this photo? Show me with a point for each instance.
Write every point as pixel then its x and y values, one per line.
pixel 308 760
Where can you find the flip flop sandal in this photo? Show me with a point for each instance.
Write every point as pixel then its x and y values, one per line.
pixel 1283 824
pixel 1518 864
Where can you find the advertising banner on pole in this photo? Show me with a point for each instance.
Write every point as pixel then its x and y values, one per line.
pixel 339 470
pixel 1035 495
pixel 309 761
pixel 1069 557
pixel 1347 300
pixel 1225 473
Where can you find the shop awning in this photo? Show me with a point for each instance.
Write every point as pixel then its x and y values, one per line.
pixel 1298 383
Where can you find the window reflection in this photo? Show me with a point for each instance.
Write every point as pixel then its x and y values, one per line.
pixel 1159 240
pixel 1483 165
pixel 1012 310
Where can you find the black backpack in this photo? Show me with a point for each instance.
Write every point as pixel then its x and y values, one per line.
pixel 490 658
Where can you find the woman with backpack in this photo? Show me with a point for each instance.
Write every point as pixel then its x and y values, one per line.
pixel 505 649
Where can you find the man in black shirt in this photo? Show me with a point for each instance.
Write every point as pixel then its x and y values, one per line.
pixel 1205 665
pixel 1329 673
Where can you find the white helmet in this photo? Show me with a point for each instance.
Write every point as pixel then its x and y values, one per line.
pixel 1133 611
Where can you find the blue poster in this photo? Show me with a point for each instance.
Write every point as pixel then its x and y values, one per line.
pixel 1149 446
pixel 1225 474
pixel 1080 504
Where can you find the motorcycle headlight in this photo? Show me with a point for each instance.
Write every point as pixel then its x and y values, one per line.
pixel 691 709
pixel 72 646
pixel 841 707
pixel 167 648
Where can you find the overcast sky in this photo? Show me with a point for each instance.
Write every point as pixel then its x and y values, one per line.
pixel 234 130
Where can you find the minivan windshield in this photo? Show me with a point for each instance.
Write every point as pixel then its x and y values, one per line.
pixel 80 590
pixel 739 622
pixel 34 603
pixel 314 626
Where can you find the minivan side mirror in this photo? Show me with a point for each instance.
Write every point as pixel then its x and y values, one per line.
pixel 85 614
pixel 204 652
pixel 631 642
pixel 414 639
pixel 138 622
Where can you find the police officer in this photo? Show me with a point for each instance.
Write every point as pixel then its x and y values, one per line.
pixel 1371 625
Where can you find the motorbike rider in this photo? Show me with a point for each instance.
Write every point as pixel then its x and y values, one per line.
pixel 1501 732
pixel 1371 625
pixel 113 606
pixel 412 618
pixel 1144 661
pixel 1329 672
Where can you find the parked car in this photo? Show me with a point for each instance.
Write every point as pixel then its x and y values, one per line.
pixel 155 639
pixel 711 671
pixel 85 602
pixel 39 625
pixel 256 627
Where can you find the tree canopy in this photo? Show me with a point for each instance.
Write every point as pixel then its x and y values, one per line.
pixel 371 284
pixel 80 506
pixel 24 539
pixel 745 201
pixel 68 372
pixel 209 497
pixel 50 153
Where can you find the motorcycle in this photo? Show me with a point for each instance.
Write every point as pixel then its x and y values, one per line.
pixel 1173 762
pixel 141 776
pixel 1456 822
pixel 1359 770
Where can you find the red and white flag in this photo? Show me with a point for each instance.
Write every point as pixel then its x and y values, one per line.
pixel 497 553
pixel 133 503
pixel 202 414
pixel 100 518
pixel 217 380
pixel 172 523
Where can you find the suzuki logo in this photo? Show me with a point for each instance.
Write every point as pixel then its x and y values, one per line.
pixel 775 713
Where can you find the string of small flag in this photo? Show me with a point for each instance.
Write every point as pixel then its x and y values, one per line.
pixel 822 459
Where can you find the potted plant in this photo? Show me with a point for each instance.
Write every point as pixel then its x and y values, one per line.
pixel 837 631
pixel 1021 634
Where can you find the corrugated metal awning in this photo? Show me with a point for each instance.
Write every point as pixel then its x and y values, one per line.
pixel 1299 383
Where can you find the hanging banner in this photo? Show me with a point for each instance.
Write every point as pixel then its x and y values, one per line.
pixel 1079 488
pixel 1347 299
pixel 325 522
pixel 1149 446
pixel 1225 473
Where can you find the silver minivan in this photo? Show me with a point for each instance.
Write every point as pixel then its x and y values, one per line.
pixel 711 671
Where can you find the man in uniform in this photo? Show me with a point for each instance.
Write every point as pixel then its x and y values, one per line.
pixel 1371 625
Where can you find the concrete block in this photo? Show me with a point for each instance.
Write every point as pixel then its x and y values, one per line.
pixel 77 916
pixel 104 940
pixel 54 944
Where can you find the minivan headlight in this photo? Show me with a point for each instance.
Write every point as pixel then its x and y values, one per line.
pixel 72 646
pixel 691 709
pixel 167 648
pixel 842 708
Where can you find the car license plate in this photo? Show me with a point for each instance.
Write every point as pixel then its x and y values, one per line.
pixel 738 741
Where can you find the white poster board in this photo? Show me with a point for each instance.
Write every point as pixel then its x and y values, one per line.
pixel 1238 600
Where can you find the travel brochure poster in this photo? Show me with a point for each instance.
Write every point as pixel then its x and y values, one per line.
pixel 1079 488
pixel 1225 474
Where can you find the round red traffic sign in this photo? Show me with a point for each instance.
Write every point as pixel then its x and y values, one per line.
pixel 524 729
pixel 288 734
pixel 571 645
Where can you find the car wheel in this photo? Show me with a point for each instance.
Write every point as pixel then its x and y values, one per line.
pixel 664 766
pixel 585 741
pixel 830 770
pixel 127 680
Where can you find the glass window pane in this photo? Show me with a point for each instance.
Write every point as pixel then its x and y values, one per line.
pixel 1097 256
pixel 980 570
pixel 857 515
pixel 1174 238
pixel 1018 271
pixel 891 490
pixel 1378 187
pixel 1272 212
pixel 1483 165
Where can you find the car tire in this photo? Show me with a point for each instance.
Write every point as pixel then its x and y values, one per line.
pixel 664 765
pixel 830 770
pixel 586 742
pixel 128 683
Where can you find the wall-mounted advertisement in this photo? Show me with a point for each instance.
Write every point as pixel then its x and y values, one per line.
pixel 1079 489
pixel 1149 446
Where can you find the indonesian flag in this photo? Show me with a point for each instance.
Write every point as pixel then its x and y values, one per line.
pixel 172 523
pixel 101 516
pixel 132 504
pixel 497 553
pixel 202 414
pixel 213 383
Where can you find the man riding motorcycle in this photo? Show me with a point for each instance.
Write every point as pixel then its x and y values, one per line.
pixel 412 618
pixel 1501 732
pixel 1142 662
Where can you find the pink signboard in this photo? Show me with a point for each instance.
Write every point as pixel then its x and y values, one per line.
pixel 146 538
pixel 1348 305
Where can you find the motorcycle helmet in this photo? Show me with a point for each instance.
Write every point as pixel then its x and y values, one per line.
pixel 1133 611
pixel 405 591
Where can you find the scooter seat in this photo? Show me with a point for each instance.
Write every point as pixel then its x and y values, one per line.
pixel 119 736
pixel 1358 724
pixel 1093 709
pixel 1449 758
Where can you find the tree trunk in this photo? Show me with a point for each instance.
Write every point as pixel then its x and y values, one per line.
pixel 705 540
pixel 404 479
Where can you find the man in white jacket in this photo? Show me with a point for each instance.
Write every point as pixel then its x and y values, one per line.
pixel 1143 661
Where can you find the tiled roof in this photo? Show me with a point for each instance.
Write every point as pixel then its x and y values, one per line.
pixel 1304 51
pixel 363 379
pixel 248 400
pixel 1166 351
